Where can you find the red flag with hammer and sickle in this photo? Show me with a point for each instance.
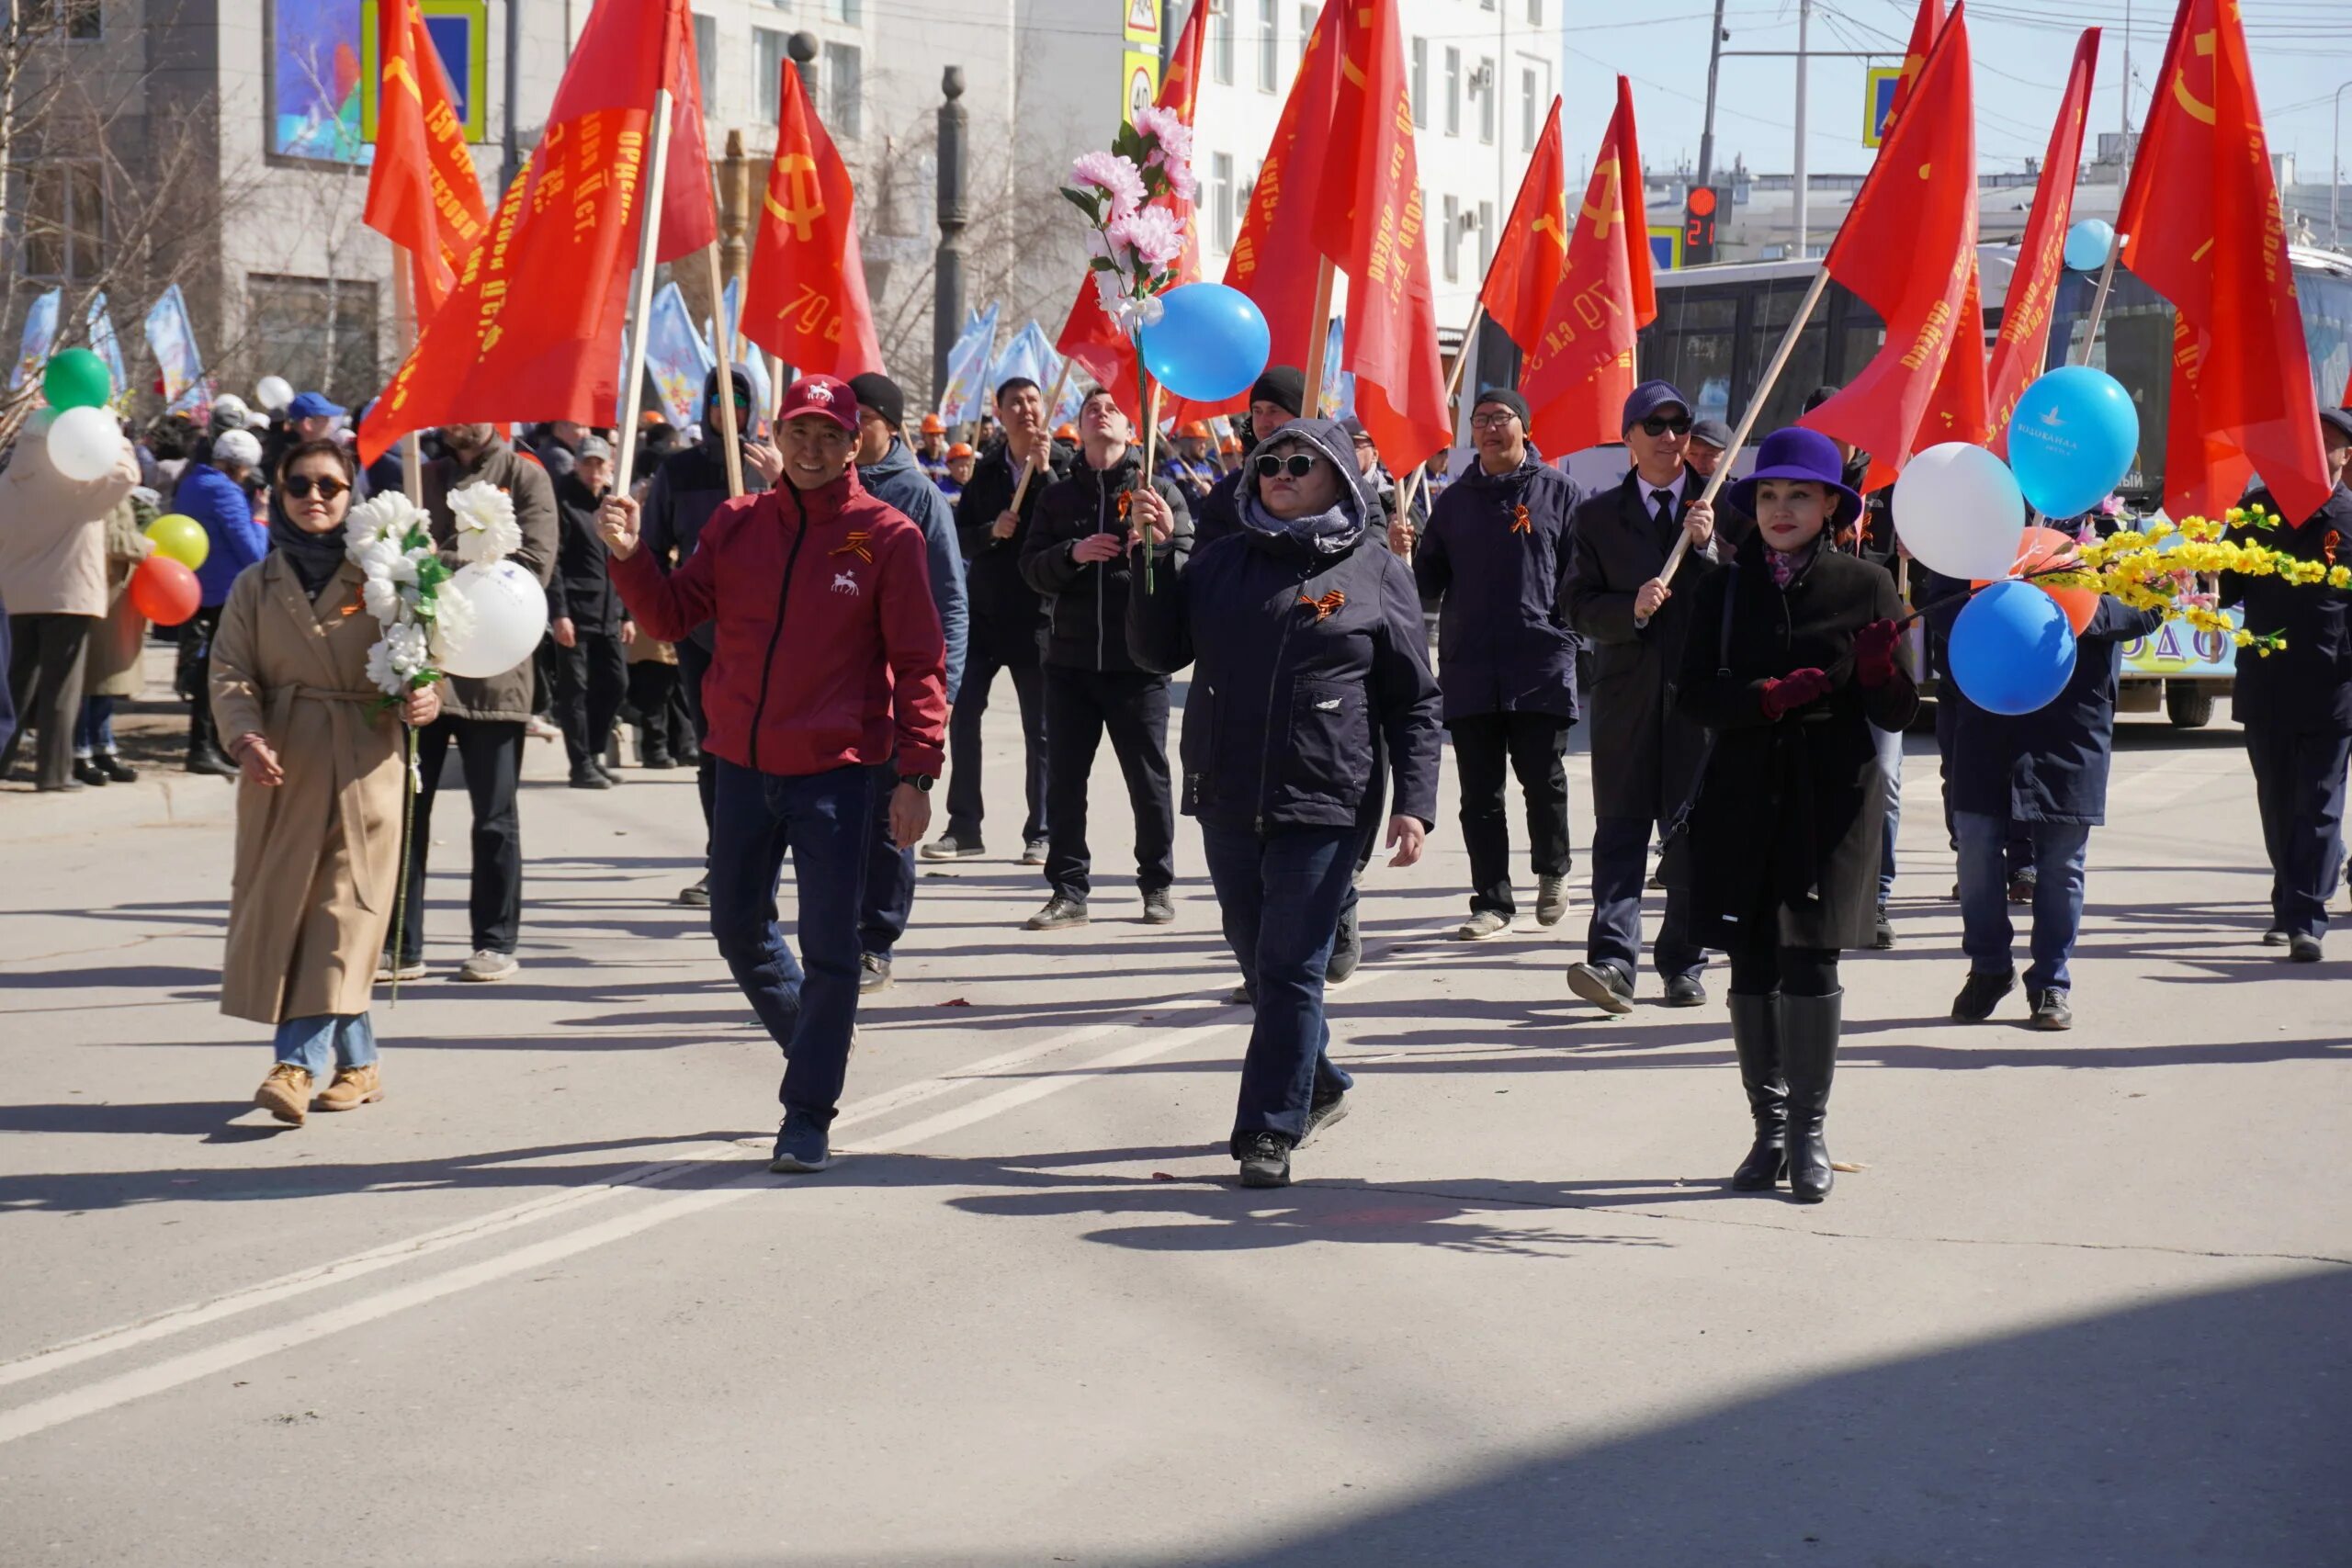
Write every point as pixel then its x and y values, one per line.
pixel 1533 255
pixel 423 193
pixel 532 330
pixel 805 301
pixel 1924 28
pixel 2042 254
pixel 1579 370
pixel 2205 231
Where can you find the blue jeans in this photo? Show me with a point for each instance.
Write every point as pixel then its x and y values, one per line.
pixel 2059 849
pixel 1621 866
pixel 326 1039
pixel 889 875
pixel 1280 896
pixel 93 727
pixel 823 819
pixel 1890 769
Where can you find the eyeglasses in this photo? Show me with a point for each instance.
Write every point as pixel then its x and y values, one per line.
pixel 1492 421
pixel 1298 465
pixel 299 487
pixel 1661 424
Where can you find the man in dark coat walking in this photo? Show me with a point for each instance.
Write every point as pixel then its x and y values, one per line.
pixel 1497 551
pixel 1076 556
pixel 2296 707
pixel 1645 753
pixel 586 618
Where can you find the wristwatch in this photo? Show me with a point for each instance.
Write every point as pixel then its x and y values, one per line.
pixel 919 781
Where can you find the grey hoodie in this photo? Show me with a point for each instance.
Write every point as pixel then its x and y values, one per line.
pixel 898 480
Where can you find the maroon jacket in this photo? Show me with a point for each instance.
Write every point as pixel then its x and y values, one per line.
pixel 827 648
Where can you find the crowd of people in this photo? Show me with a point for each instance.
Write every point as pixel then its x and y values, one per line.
pixel 822 649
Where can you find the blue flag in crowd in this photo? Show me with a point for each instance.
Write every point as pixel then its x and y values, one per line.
pixel 171 338
pixel 676 356
pixel 1339 398
pixel 41 337
pixel 106 346
pixel 968 386
pixel 753 363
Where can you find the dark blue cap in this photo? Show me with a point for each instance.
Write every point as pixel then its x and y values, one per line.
pixel 312 405
pixel 1648 397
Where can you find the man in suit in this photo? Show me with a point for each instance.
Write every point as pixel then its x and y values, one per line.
pixel 1646 756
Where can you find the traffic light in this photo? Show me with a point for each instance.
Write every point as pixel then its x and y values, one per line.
pixel 1699 224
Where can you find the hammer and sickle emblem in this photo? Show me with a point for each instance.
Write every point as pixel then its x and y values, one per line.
pixel 2200 112
pixel 804 202
pixel 1612 211
pixel 1550 224
pixel 397 67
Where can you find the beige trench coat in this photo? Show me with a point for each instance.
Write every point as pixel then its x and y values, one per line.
pixel 115 666
pixel 318 856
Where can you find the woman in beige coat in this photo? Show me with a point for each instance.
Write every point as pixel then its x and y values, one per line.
pixel 319 797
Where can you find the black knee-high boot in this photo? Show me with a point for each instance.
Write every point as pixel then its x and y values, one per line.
pixel 1756 1040
pixel 1809 1057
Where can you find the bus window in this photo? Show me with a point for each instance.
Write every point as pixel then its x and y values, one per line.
pixel 1858 332
pixel 2135 347
pixel 1775 307
pixel 1690 345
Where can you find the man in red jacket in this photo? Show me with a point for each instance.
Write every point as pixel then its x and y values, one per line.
pixel 828 661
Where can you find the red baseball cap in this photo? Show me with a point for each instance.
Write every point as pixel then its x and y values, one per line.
pixel 826 395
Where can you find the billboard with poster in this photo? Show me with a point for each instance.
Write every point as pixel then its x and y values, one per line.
pixel 320 74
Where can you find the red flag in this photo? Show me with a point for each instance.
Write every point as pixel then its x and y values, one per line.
pixel 1908 250
pixel 1924 28
pixel 532 330
pixel 423 193
pixel 2042 254
pixel 1088 336
pixel 805 300
pixel 2204 228
pixel 689 203
pixel 1580 371
pixel 1534 253
pixel 1368 221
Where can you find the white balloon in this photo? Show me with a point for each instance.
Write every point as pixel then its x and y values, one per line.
pixel 275 392
pixel 510 617
pixel 1959 510
pixel 85 443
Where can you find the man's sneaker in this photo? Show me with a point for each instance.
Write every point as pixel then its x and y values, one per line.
pixel 2275 937
pixel 1551 900
pixel 697 895
pixel 1034 851
pixel 2023 885
pixel 1483 924
pixel 386 972
pixel 1684 991
pixel 947 846
pixel 1347 949
pixel 1322 1114
pixel 1159 908
pixel 353 1087
pixel 1882 933
pixel 1239 997
pixel 1981 995
pixel 286 1093
pixel 1060 914
pixel 487 964
pixel 873 973
pixel 1265 1160
pixel 2051 1011
pixel 588 776
pixel 800 1145
pixel 2303 948
pixel 1603 987
pixel 539 728
pixel 606 766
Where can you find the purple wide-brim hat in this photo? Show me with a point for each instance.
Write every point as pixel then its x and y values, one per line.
pixel 1797 452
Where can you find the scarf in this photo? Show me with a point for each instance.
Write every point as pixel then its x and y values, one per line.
pixel 1786 564
pixel 316 557
pixel 1328 532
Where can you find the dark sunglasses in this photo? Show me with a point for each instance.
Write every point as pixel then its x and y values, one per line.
pixel 299 486
pixel 1660 424
pixel 1298 465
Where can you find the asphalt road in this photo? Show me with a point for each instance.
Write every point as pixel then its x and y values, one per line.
pixel 2087 1301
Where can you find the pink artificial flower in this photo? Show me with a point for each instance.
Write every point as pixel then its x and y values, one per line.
pixel 1153 234
pixel 1172 136
pixel 1119 180
pixel 1180 182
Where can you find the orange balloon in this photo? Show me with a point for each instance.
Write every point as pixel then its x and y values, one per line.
pixel 164 591
pixel 2048 549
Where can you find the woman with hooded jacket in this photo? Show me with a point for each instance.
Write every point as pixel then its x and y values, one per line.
pixel 1791 660
pixel 1306 636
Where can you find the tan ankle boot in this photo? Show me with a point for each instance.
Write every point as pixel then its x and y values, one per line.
pixel 286 1093
pixel 353 1087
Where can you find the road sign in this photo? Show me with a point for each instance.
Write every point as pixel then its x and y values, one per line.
pixel 1878 97
pixel 1666 246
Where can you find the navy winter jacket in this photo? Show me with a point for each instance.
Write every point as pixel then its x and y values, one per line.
pixel 2306 686
pixel 1494 552
pixel 900 480
pixel 1086 603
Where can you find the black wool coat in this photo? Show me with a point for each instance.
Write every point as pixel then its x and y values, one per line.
pixel 1792 811
pixel 2305 687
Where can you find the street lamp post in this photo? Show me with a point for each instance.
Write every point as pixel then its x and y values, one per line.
pixel 2335 174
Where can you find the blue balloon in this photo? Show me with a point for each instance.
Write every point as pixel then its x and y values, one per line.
pixel 2072 439
pixel 1209 344
pixel 2011 650
pixel 2087 244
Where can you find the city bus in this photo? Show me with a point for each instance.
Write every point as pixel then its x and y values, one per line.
pixel 1717 327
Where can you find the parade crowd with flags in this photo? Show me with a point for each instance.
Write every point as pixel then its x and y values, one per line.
pixel 573 510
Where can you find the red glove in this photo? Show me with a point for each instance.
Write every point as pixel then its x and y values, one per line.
pixel 1793 690
pixel 1874 653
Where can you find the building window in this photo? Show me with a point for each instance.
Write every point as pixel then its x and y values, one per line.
pixel 1530 120
pixel 65 222
pixel 1269 67
pixel 1223 199
pixel 849 13
pixel 1420 81
pixel 1305 28
pixel 844 89
pixel 706 61
pixel 768 57
pixel 1221 41
pixel 317 333
pixel 1485 236
pixel 1452 238
pixel 79 17
pixel 1489 91
pixel 1453 92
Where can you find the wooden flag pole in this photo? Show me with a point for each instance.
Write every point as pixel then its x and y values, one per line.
pixel 404 327
pixel 1747 420
pixel 729 434
pixel 2098 300
pixel 1415 481
pixel 1311 397
pixel 1029 465
pixel 648 239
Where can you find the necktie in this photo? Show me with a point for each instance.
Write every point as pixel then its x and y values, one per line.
pixel 1664 500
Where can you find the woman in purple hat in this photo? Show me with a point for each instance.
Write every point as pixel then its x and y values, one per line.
pixel 1790 659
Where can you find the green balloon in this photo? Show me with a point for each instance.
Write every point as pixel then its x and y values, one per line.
pixel 76 380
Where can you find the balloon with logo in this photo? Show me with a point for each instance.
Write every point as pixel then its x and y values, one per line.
pixel 1209 344
pixel 2087 244
pixel 182 538
pixel 85 443
pixel 509 617
pixel 165 591
pixel 76 378
pixel 2072 439
pixel 1958 511
pixel 2011 650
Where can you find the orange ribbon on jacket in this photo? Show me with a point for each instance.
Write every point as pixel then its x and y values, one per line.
pixel 1327 607
pixel 2328 547
pixel 855 546
pixel 1519 521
